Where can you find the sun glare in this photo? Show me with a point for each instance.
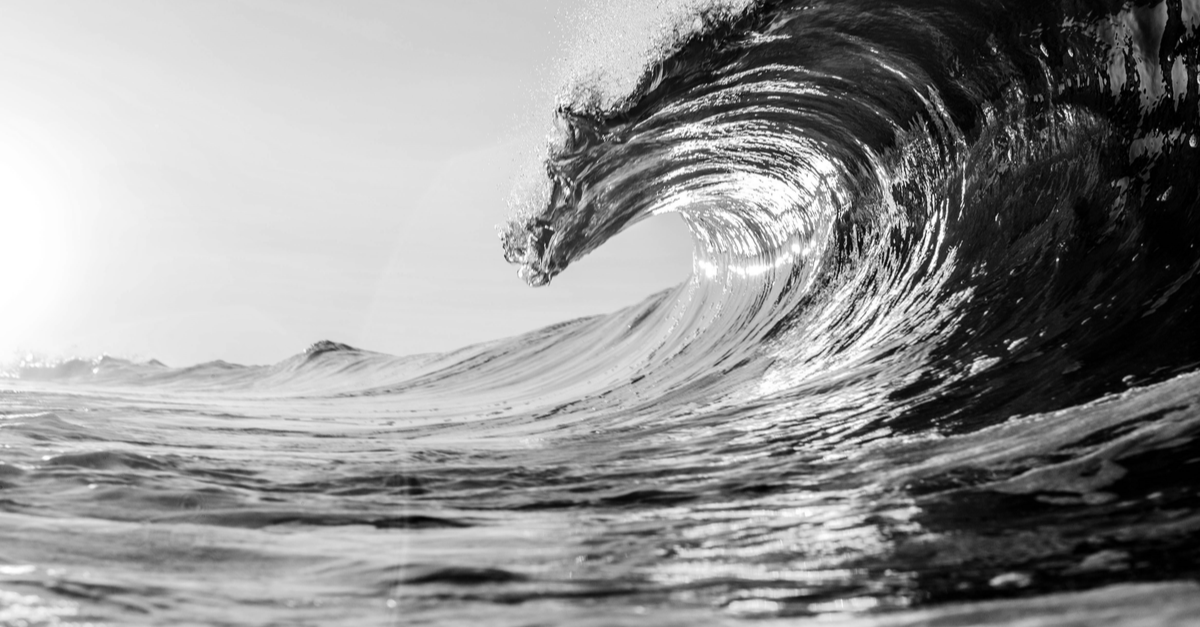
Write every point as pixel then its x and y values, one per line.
pixel 33 234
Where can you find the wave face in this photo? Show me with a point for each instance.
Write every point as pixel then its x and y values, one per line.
pixel 948 190
pixel 938 355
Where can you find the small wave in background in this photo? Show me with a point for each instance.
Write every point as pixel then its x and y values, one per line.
pixel 936 363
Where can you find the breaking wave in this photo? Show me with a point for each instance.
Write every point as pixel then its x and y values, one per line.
pixel 939 349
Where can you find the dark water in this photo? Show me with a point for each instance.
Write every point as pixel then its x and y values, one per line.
pixel 937 363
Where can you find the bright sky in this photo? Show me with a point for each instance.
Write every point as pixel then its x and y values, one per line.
pixel 204 179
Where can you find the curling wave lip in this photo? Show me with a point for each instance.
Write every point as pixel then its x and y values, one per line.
pixel 525 245
pixel 546 243
pixel 536 244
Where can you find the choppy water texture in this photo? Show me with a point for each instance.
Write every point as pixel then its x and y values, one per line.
pixel 937 363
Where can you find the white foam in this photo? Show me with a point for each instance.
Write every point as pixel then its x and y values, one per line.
pixel 609 46
pixel 615 41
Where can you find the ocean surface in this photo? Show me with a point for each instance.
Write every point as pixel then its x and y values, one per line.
pixel 938 363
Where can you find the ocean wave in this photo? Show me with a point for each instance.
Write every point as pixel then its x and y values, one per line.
pixel 937 356
pixel 934 193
